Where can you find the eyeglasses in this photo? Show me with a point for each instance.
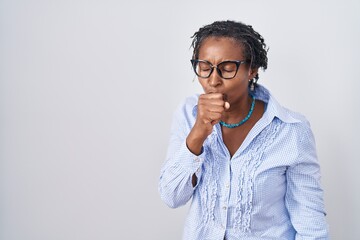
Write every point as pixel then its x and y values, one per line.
pixel 226 69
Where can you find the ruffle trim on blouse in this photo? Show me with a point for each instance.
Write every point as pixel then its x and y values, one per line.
pixel 246 177
pixel 252 160
pixel 210 182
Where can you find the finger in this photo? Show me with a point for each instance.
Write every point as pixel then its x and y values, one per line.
pixel 212 96
pixel 214 116
pixel 212 101
pixel 213 123
pixel 216 109
pixel 227 105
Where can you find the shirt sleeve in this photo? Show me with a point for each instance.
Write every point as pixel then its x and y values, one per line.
pixel 304 196
pixel 175 184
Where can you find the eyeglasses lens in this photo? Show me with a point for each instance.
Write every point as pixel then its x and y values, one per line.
pixel 225 69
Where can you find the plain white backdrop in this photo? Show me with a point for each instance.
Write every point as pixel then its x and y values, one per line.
pixel 87 92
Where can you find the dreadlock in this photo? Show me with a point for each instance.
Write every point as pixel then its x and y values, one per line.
pixel 252 42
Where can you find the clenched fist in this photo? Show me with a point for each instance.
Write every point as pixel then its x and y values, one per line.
pixel 210 110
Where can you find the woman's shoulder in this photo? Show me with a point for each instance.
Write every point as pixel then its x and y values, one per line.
pixel 275 108
pixel 299 117
pixel 286 115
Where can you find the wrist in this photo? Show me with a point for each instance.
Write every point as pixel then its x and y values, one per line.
pixel 195 143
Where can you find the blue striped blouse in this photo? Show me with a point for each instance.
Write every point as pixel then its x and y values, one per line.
pixel 269 189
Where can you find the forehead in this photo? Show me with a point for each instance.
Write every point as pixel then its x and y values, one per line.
pixel 220 48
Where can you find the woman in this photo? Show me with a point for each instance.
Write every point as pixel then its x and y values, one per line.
pixel 248 163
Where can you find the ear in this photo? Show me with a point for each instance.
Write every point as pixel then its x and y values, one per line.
pixel 253 72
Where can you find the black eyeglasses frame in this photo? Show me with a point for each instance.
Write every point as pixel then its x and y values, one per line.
pixel 194 63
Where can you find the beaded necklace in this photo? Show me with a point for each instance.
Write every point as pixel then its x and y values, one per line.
pixel 234 125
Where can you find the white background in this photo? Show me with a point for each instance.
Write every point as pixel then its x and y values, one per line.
pixel 87 92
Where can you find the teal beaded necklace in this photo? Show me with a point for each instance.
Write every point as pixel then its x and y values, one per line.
pixel 234 125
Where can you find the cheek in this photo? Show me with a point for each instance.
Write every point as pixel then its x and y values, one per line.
pixel 238 87
pixel 241 80
pixel 202 82
pixel 244 75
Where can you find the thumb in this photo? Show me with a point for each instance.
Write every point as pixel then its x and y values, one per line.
pixel 227 105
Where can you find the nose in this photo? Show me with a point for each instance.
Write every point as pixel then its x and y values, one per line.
pixel 215 79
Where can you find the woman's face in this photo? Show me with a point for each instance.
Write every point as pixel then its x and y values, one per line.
pixel 216 50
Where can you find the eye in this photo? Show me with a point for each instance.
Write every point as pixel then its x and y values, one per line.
pixel 228 70
pixel 228 67
pixel 204 67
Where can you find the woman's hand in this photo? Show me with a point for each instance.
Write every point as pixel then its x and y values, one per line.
pixel 210 109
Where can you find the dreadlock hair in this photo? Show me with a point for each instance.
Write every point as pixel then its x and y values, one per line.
pixel 252 42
